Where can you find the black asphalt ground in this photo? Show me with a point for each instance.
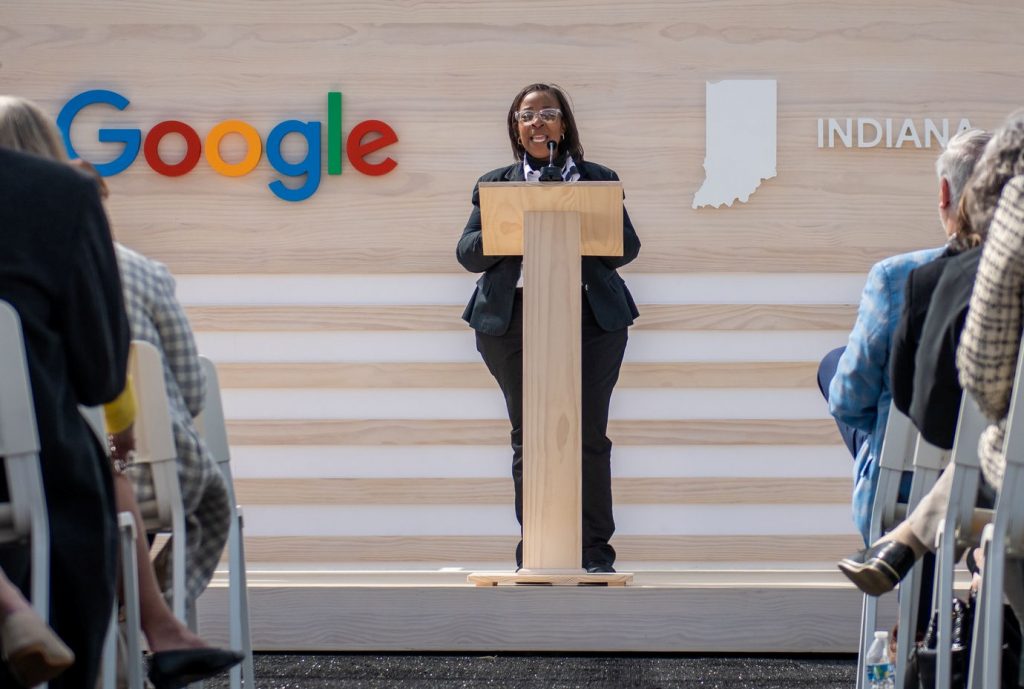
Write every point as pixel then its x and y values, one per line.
pixel 513 671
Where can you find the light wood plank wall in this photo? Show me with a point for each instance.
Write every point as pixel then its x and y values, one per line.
pixel 364 427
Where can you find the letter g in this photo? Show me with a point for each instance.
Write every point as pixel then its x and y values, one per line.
pixel 131 138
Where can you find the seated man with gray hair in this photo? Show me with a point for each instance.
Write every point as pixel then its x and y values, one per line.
pixel 855 379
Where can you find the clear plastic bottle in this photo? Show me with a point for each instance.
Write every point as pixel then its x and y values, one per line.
pixel 881 674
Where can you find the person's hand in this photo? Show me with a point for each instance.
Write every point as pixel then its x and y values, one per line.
pixel 122 448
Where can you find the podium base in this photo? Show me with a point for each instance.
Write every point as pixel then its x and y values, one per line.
pixel 550 578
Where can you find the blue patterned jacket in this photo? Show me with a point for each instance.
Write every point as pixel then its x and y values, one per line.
pixel 860 392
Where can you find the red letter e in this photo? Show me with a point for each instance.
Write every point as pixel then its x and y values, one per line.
pixel 357 150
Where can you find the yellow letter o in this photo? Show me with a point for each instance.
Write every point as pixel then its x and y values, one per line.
pixel 254 146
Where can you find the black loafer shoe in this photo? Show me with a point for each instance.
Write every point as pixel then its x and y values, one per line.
pixel 877 570
pixel 599 567
pixel 176 669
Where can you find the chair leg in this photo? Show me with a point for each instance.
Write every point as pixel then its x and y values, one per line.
pixel 868 622
pixel 28 473
pixel 130 582
pixel 943 597
pixel 109 663
pixel 976 675
pixel 239 604
pixel 910 589
pixel 178 555
pixel 993 642
pixel 193 626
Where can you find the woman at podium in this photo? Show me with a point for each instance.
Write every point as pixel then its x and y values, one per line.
pixel 541 120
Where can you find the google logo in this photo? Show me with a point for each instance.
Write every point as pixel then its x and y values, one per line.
pixel 365 138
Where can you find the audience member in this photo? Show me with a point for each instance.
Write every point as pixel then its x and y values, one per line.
pixel 855 379
pixel 879 568
pixel 59 271
pixel 954 168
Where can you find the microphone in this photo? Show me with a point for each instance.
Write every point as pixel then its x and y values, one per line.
pixel 551 172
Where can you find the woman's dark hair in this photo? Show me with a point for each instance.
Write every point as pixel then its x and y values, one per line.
pixel 570 143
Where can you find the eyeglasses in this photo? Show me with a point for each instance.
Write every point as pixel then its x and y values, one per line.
pixel 546 115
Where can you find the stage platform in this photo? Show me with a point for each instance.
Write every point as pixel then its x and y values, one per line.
pixel 794 610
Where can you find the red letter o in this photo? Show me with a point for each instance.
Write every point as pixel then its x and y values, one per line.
pixel 151 148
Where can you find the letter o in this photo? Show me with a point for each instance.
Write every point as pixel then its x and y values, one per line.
pixel 151 148
pixel 252 141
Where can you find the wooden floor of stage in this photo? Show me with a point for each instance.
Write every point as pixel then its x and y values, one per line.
pixel 694 610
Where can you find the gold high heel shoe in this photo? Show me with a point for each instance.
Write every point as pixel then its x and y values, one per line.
pixel 33 652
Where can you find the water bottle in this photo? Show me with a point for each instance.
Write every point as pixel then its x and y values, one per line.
pixel 879 669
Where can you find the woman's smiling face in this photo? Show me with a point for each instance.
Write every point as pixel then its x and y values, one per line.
pixel 535 134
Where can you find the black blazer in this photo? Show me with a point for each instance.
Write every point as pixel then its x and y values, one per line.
pixel 936 402
pixel 917 298
pixel 490 308
pixel 58 270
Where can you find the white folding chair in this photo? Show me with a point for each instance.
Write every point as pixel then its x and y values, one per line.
pixel 213 430
pixel 23 516
pixel 1002 538
pixel 928 463
pixel 154 441
pixel 133 618
pixel 154 446
pixel 957 530
pixel 886 512
pixel 127 534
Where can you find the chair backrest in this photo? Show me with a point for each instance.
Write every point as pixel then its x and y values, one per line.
pixel 19 439
pixel 896 457
pixel 210 423
pixel 154 433
pixel 17 415
pixel 212 426
pixel 929 461
pixel 966 466
pixel 969 427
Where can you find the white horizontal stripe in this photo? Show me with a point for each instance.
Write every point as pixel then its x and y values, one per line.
pixel 489 461
pixel 747 288
pixel 325 289
pixel 498 520
pixel 416 403
pixel 455 288
pixel 446 347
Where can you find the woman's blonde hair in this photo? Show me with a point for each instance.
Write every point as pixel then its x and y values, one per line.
pixel 24 126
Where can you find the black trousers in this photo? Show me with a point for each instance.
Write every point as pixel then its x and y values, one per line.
pixel 83 558
pixel 602 353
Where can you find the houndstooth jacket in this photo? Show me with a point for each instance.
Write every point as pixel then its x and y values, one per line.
pixel 987 357
pixel 157 317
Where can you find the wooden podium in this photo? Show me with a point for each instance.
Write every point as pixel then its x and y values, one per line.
pixel 551 225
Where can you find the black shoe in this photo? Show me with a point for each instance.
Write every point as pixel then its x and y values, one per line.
pixel 176 669
pixel 877 570
pixel 599 567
